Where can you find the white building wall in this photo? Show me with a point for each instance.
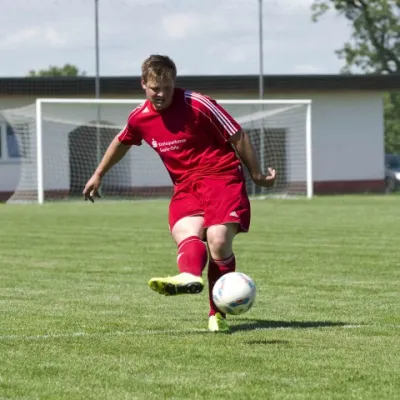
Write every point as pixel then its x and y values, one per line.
pixel 348 137
pixel 347 140
pixel 9 176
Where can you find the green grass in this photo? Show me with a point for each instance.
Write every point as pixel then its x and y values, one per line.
pixel 77 320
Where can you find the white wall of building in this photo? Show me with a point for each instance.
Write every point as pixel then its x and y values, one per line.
pixel 347 136
pixel 347 140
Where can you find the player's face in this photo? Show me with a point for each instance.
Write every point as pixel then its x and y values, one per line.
pixel 159 93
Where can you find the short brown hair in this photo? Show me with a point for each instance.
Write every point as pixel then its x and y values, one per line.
pixel 158 67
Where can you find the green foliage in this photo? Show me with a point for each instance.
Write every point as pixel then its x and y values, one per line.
pixel 374 47
pixel 392 125
pixel 66 70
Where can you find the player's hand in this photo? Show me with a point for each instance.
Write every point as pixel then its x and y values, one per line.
pixel 91 189
pixel 266 180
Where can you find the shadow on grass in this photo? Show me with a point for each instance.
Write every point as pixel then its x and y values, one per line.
pixel 259 324
pixel 266 342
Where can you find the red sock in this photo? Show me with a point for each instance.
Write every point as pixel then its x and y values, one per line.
pixel 192 256
pixel 217 268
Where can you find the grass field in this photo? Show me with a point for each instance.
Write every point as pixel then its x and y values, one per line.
pixel 78 321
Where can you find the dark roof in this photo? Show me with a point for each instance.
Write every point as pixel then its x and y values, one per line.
pixel 128 86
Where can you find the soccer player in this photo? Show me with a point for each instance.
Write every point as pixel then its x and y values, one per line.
pixel 202 148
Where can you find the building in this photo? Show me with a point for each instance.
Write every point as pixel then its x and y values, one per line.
pixel 347 130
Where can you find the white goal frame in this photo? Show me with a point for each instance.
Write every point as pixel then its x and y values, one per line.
pixel 39 129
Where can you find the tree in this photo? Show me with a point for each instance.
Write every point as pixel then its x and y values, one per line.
pixel 374 47
pixel 66 70
pixel 392 122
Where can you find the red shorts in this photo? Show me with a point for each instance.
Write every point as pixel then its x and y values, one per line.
pixel 219 199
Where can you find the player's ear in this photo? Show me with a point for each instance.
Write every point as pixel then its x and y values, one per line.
pixel 143 83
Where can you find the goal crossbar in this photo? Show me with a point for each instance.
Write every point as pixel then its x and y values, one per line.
pixel 138 101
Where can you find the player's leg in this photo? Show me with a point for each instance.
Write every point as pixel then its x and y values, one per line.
pixel 186 225
pixel 222 258
pixel 191 259
pixel 227 212
pixel 192 251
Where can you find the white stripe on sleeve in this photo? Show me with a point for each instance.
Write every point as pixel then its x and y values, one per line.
pixel 223 120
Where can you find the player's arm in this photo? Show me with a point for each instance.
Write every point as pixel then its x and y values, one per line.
pixel 114 153
pixel 228 130
pixel 247 153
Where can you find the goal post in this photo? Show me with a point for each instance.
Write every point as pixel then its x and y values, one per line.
pixel 60 142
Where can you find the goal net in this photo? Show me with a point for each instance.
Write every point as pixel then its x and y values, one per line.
pixel 61 141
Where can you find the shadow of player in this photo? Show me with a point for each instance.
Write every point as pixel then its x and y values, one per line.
pixel 259 324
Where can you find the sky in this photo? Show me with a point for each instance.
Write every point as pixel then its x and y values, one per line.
pixel 204 37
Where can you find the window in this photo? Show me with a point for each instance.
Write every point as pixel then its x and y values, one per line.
pixel 12 143
pixel 9 147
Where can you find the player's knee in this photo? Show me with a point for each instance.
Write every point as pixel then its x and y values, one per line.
pixel 220 245
pixel 219 250
pixel 186 227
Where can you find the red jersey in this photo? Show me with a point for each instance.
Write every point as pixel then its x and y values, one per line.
pixel 190 136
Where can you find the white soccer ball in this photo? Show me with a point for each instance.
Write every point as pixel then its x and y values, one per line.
pixel 234 293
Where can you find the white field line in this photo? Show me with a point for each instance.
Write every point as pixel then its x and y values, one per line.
pixel 158 332
pixel 98 334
